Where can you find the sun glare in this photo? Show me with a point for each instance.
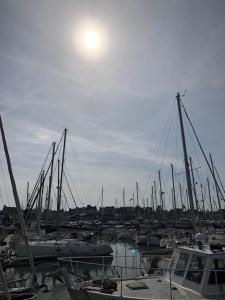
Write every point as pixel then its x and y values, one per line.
pixel 91 39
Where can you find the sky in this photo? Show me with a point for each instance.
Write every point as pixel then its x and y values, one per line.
pixel 119 106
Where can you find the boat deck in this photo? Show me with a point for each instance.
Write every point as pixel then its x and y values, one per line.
pixel 155 288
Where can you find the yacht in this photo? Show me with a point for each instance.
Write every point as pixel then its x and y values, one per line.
pixel 63 248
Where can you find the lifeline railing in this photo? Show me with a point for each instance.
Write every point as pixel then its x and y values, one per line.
pixel 110 269
pixel 76 264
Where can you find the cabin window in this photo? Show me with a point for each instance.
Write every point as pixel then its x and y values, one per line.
pixel 181 264
pixel 196 269
pixel 217 275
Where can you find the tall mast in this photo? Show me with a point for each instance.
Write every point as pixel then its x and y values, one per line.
pixel 188 178
pixel 209 192
pixel 50 181
pixel 102 203
pixel 137 193
pixel 17 201
pixel 216 184
pixel 193 184
pixel 62 166
pixel 155 194
pixel 202 198
pixel 187 200
pixel 27 194
pixel 181 196
pixel 58 196
pixel 152 198
pixel 39 203
pixel 173 189
pixel 160 190
pixel 124 204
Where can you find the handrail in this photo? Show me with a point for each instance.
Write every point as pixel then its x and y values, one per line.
pixel 122 276
pixel 74 260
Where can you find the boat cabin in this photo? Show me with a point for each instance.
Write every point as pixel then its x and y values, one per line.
pixel 199 269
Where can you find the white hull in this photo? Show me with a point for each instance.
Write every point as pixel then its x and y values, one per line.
pixel 63 248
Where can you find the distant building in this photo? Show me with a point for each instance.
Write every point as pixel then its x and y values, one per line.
pixel 9 215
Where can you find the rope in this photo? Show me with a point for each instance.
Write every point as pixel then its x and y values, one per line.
pixel 196 136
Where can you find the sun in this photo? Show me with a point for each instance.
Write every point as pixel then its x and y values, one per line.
pixel 91 39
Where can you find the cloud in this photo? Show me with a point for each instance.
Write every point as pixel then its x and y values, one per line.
pixel 116 110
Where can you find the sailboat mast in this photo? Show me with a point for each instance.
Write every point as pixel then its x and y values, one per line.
pixel 152 199
pixel 102 198
pixel 124 204
pixel 58 202
pixel 155 194
pixel 62 166
pixel 173 189
pixel 50 181
pixel 28 184
pixel 137 188
pixel 17 201
pixel 209 192
pixel 194 185
pixel 216 184
pixel 160 190
pixel 188 177
pixel 39 203
pixel 181 196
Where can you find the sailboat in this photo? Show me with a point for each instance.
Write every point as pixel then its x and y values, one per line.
pixel 65 247
pixel 194 272
pixel 16 289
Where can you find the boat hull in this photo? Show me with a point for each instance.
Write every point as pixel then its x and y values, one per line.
pixel 63 249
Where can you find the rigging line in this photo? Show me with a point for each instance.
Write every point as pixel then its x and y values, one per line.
pixel 54 192
pixel 157 153
pixel 176 137
pixel 39 189
pixel 217 173
pixel 99 199
pixel 196 153
pixel 141 195
pixel 206 197
pixel 202 150
pixel 74 156
pixel 164 184
pixel 166 143
pixel 169 124
pixel 165 187
pixel 36 185
pixel 65 198
pixel 73 184
pixel 70 189
pixel 34 189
